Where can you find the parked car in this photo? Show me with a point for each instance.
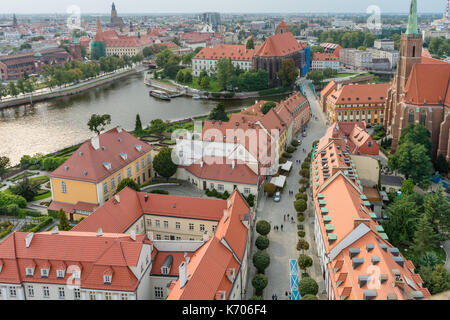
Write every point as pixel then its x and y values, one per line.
pixel 277 197
pixel 304 134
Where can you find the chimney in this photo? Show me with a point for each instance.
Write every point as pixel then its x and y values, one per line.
pixel 28 239
pixel 133 235
pixel 117 197
pixel 146 197
pixel 233 164
pixel 182 269
pixel 201 164
pixel 119 129
pixel 99 232
pixel 55 230
pixel 95 142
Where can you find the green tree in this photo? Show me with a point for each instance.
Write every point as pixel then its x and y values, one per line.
pixel 259 282
pixel 302 245
pixel 424 237
pixel 407 187
pixel 413 160
pixel 288 73
pixel 263 227
pixel 188 76
pixel 304 262
pixel 25 188
pixel 218 113
pixel 309 297
pixel 250 44
pixel 418 134
pixel 63 221
pixel 437 208
pixel 204 83
pixel 436 279
pixel 270 189
pixel 28 86
pixel 316 76
pixel 304 172
pixel 300 205
pixel 163 163
pixel 262 242
pixel 441 164
pixel 224 73
pixel 4 164
pixel 97 122
pixel 180 77
pixel 127 183
pixel 157 126
pixel 12 89
pixel 428 259
pixel 162 58
pixel 261 260
pixel 317 49
pixel 138 126
pixel 267 106
pixel 308 286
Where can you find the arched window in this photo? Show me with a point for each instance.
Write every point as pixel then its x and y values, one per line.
pixel 411 116
pixel 414 51
pixel 63 187
pixel 423 118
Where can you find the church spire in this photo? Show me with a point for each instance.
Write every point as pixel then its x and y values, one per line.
pixel 412 21
pixel 99 27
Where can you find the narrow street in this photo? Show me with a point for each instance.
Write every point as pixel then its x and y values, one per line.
pixel 283 243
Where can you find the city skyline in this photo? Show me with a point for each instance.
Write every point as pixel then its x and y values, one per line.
pixel 138 6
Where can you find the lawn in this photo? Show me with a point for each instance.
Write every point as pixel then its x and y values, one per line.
pixel 45 195
pixel 40 180
pixel 343 75
pixel 213 85
pixel 23 175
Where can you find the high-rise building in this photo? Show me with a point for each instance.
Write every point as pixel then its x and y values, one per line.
pixel 211 18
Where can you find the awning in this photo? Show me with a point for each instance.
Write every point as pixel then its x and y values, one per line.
pixel 287 166
pixel 279 181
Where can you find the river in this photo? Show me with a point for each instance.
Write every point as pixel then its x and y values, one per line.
pixel 53 125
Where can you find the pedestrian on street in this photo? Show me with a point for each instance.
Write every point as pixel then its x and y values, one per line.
pixel 281 227
pixel 284 218
pixel 288 215
pixel 286 293
pixel 273 297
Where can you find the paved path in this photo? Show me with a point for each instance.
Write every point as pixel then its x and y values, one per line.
pixel 283 243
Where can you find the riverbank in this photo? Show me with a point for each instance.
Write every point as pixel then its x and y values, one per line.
pixel 68 91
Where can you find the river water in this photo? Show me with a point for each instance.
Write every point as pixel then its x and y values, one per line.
pixel 53 125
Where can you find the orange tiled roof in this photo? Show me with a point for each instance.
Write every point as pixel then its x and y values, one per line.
pixel 87 164
pixel 360 94
pixel 279 45
pixel 324 57
pixel 233 52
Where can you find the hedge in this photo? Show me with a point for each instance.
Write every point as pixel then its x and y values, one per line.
pixel 45 222
pixel 157 191
pixel 28 213
pixel 6 232
pixel 274 91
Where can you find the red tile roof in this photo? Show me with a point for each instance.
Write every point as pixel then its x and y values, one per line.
pixel 87 164
pixel 360 94
pixel 324 57
pixel 233 52
pixel 93 254
pixel 279 45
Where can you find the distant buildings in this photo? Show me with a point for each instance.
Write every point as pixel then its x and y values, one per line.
pixel 321 61
pixel 91 175
pixel 116 21
pixel 369 59
pixel 15 66
pixel 384 44
pixel 355 102
pixel 211 18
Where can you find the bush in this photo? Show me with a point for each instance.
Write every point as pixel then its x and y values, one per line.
pixel 302 245
pixel 314 143
pixel 270 188
pixel 282 160
pixel 301 233
pixel 261 260
pixel 304 181
pixel 262 242
pixel 302 190
pixel 300 205
pixel 305 275
pixel 304 173
pixel 7 199
pixel 303 196
pixel 259 282
pixel 308 286
pixel 45 222
pixel 304 261
pixel 286 155
pixel 301 219
pixel 256 298
pixel 305 165
pixel 157 191
pixel 300 227
pixel 290 149
pixel 263 227
pixel 7 231
pixel 225 195
pixel 295 143
pixel 251 200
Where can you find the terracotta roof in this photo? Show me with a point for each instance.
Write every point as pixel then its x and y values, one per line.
pixel 324 57
pixel 94 254
pixel 118 217
pixel 87 164
pixel 360 94
pixel 233 52
pixel 160 258
pixel 429 84
pixel 279 45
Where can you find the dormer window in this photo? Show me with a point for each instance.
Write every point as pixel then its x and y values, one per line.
pixel 124 156
pixel 76 275
pixel 138 147
pixel 107 279
pixel 107 165
pixel 60 274
pixel 29 272
pixel 44 273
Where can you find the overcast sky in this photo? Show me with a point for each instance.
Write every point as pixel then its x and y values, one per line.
pixel 228 6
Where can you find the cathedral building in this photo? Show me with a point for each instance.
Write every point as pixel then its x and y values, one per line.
pixel 116 21
pixel 420 92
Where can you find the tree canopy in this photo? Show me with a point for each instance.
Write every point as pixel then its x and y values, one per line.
pixel 267 106
pixel 97 122
pixel 127 182
pixel 218 113
pixel 163 163
pixel 288 73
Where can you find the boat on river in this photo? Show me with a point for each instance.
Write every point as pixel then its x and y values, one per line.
pixel 159 94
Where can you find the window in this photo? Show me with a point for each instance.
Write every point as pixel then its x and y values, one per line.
pixel 177 225
pixel 29 272
pixel 158 237
pixel 63 187
pixel 369 144
pixel 137 166
pixel 149 222
pixel 30 291
pixel 12 291
pixel 119 178
pixel 76 274
pixel 124 296
pixel 220 187
pixel 214 228
pixel 411 116
pixel 247 190
pixel 143 163
pixel 107 279
pixel 166 224
pixel 158 224
pixel 191 226
pixel 44 273
pixel 178 238
pixel 148 159
pixel 92 295
pixel 423 118
pixel 105 187
pixel 61 293
pixel 159 293
pixel 166 238
pixel 129 172
pixel 212 186
pixel 46 292
pixel 113 183
pixel 77 294
pixel 202 227
pixel 108 296
pixel 60 274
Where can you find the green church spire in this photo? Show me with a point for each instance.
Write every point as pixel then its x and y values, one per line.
pixel 412 21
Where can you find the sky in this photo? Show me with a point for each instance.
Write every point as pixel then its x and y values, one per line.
pixel 228 6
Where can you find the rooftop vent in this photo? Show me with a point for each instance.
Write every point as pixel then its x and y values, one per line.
pixel 28 239
pixel 369 247
pixel 375 259
pixel 66 168
pixel 357 262
pixel 85 173
pixel 80 153
pixel 99 232
pixel 124 156
pixel 55 230
pixel 399 260
pixel 394 251
pixel 362 280
pixel 103 148
pixel 138 147
pixel 392 296
pixel 370 294
pixel 384 277
pixel 353 252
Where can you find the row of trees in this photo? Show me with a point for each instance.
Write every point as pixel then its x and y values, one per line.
pixel 439 47
pixel 261 259
pixel 317 76
pixel 23 86
pixel 347 39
